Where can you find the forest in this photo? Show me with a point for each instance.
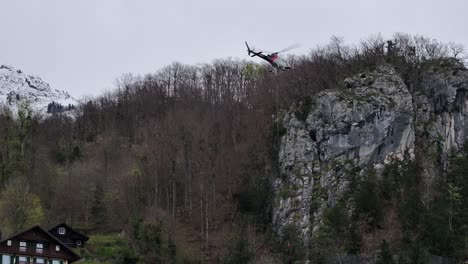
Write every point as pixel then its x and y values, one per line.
pixel 176 166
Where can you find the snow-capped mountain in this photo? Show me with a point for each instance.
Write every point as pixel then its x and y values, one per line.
pixel 17 88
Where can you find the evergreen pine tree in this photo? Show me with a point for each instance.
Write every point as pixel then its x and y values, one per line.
pixel 385 255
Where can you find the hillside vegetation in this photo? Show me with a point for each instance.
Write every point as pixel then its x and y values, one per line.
pixel 179 163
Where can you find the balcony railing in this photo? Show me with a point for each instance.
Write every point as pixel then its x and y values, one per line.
pixel 33 251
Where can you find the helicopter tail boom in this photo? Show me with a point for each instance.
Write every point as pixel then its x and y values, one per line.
pixel 251 52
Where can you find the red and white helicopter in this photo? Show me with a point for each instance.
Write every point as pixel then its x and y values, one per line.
pixel 272 57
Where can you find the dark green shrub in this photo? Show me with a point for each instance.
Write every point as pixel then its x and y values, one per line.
pixel 292 247
pixel 385 255
pixel 367 199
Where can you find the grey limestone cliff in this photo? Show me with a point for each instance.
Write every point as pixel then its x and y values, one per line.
pixel 373 118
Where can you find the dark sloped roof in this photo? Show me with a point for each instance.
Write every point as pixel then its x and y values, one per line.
pixel 83 237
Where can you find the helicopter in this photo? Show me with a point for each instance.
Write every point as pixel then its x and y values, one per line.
pixel 271 57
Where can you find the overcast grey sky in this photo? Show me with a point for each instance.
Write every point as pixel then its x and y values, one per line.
pixel 82 46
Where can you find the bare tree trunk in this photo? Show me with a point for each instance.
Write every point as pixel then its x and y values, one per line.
pixel 214 197
pixel 450 215
pixel 186 178
pixel 190 189
pixel 206 219
pixel 87 209
pixel 201 209
pixel 229 182
pixel 156 203
pixel 186 189
pixel 173 182
pixel 168 199
pixel 173 196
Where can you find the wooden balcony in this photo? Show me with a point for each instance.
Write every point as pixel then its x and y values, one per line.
pixel 34 252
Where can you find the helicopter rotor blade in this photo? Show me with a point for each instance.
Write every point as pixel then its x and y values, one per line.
pixel 293 46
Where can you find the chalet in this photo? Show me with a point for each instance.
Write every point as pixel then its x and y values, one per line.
pixel 35 245
pixel 68 235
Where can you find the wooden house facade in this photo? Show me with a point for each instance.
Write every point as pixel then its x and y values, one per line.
pixel 35 245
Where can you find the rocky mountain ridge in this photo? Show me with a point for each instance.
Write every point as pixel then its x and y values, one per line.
pixel 373 119
pixel 17 88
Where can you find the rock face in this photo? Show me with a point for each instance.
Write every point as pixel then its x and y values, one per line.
pixel 441 106
pixel 17 88
pixel 366 123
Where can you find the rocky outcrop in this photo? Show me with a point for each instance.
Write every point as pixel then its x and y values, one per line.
pixel 441 106
pixel 17 88
pixel 372 119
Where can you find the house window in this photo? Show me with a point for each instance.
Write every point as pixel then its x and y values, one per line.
pixel 6 259
pixel 23 260
pixel 40 261
pixel 61 230
pixel 8 243
pixel 57 248
pixel 22 246
pixel 39 248
pixel 56 261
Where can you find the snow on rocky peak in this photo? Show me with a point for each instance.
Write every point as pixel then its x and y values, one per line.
pixel 17 88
